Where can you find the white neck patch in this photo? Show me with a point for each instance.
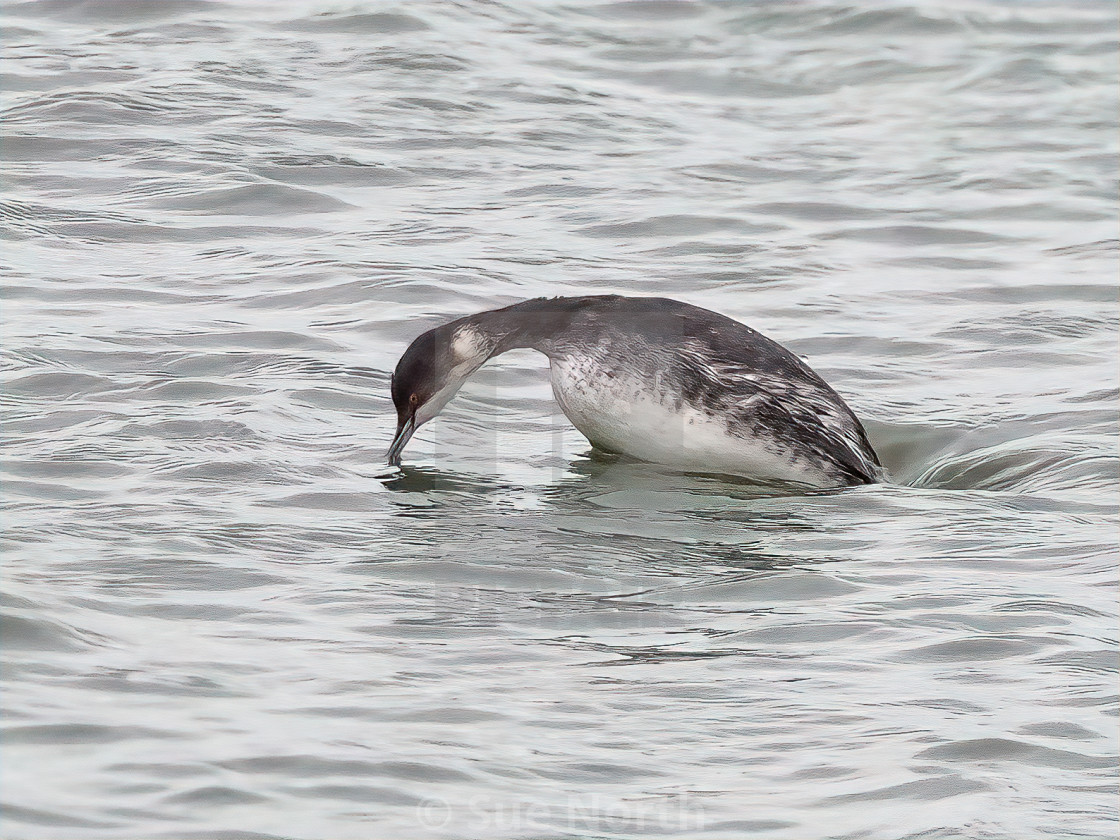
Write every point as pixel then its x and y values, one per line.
pixel 469 347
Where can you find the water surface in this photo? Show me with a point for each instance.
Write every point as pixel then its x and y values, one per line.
pixel 225 617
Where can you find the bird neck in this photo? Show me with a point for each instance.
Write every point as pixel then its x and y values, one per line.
pixel 533 324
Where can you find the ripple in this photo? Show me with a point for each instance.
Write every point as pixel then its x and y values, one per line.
pixel 985 649
pixel 356 502
pixel 27 633
pixel 646 11
pixel 317 174
pixel 61 385
pixel 926 790
pixel 303 766
pixel 212 796
pixel 81 733
pixel 991 750
pixel 917 235
pixel 668 226
pixel 54 819
pixel 191 430
pixel 254 340
pixel 194 391
pixel 110 11
pixel 253 200
pixel 785 588
pixel 383 23
pixel 52 491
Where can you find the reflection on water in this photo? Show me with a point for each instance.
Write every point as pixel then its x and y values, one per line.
pixel 424 480
pixel 224 223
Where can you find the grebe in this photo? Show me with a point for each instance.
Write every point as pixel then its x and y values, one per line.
pixel 657 380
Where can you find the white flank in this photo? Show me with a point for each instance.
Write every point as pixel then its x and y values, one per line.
pixel 630 417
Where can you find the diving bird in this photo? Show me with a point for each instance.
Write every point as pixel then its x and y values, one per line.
pixel 657 380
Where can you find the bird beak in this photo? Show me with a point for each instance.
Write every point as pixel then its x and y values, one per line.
pixel 405 427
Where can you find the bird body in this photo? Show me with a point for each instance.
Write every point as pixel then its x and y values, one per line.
pixel 657 380
pixel 622 417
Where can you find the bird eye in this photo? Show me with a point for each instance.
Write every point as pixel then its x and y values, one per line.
pixel 414 400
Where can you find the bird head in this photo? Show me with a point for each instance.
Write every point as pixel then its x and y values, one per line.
pixel 429 373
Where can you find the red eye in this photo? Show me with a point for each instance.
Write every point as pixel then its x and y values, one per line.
pixel 414 400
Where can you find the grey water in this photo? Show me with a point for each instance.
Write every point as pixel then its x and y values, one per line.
pixel 225 617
